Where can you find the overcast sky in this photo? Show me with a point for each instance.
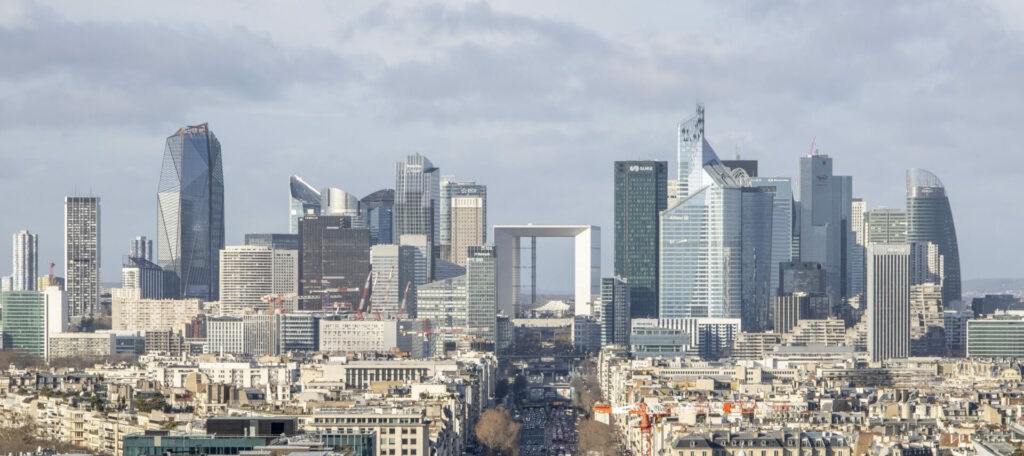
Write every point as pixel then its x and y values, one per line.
pixel 536 99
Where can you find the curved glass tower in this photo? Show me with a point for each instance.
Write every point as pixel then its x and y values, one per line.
pixel 303 200
pixel 929 219
pixel 190 219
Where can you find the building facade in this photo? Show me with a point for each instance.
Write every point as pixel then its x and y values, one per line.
pixel 378 211
pixel 82 254
pixel 615 311
pixel 930 219
pixel 888 301
pixel 190 219
pixel 885 226
pixel 335 257
pixel 417 202
pixel 640 196
pixel 303 201
pixel 26 261
pixel 824 203
pixel 463 222
pixel 482 291
pixel 249 274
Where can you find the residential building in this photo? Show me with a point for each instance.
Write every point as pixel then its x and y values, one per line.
pixel 244 334
pixel 153 314
pixel 190 219
pixel 358 336
pixel 82 254
pixel 26 261
pixel 640 196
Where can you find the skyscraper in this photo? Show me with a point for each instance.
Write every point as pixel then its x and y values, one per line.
pixel 26 261
pixel 885 226
pixel 858 211
pixel 417 202
pixel 303 200
pixel 929 219
pixel 249 273
pixel 145 276
pixel 756 258
pixel 782 223
pixel 825 205
pixel 82 254
pixel 615 320
pixel 888 301
pixel 378 211
pixel 640 196
pixel 463 218
pixel 335 201
pixel 700 263
pixel 190 219
pixel 141 248
pixel 482 291
pixel 332 256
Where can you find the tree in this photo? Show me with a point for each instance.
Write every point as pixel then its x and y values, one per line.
pixel 520 384
pixel 150 402
pixel 500 390
pixel 596 436
pixel 19 435
pixel 497 431
pixel 20 358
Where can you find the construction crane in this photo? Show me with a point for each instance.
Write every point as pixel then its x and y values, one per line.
pixel 363 302
pixel 649 414
pixel 405 298
pixel 457 330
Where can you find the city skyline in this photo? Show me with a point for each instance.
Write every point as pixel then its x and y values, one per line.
pixel 557 157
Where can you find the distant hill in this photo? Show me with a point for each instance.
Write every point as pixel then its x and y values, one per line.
pixel 974 288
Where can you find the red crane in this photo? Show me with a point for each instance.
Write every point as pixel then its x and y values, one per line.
pixel 648 416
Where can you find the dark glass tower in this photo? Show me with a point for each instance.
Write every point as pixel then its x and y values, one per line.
pixel 334 261
pixel 929 219
pixel 640 195
pixel 378 209
pixel 190 218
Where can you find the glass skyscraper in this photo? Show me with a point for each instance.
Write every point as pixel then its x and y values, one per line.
pixel 303 200
pixel 824 222
pixel 640 196
pixel 463 222
pixel 482 291
pixel 782 223
pixel 190 219
pixel 756 239
pixel 417 197
pixel 378 211
pixel 929 219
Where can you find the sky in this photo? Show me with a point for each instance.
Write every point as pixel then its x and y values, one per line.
pixel 536 99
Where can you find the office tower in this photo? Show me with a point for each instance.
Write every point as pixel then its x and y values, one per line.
pixel 929 219
pixel 885 226
pixel 141 248
pixel 26 261
pixel 797 276
pixel 30 317
pixel 417 205
pixel 640 196
pixel 790 309
pixel 276 241
pixel 378 211
pixel 756 241
pixel 46 281
pixel 244 334
pixel 82 254
pixel 993 303
pixel 333 256
pixel 190 222
pixel 926 264
pixel 954 324
pixel 672 193
pixel 927 333
pixel 443 302
pixel 700 264
pixel 335 201
pixel 998 337
pixel 888 301
pixel 303 200
pixel 393 271
pixel 615 311
pixel 463 219
pixel 824 213
pixel 254 278
pixel 421 258
pixel 858 212
pixel 748 166
pixel 143 275
pixel 296 332
pixel 482 291
pixel 782 223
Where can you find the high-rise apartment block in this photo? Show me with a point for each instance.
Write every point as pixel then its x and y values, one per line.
pixel 640 196
pixel 888 301
pixel 26 261
pixel 82 254
pixel 190 219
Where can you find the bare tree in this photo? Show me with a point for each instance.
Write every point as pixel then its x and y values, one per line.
pixel 19 435
pixel 596 436
pixel 20 358
pixel 498 432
